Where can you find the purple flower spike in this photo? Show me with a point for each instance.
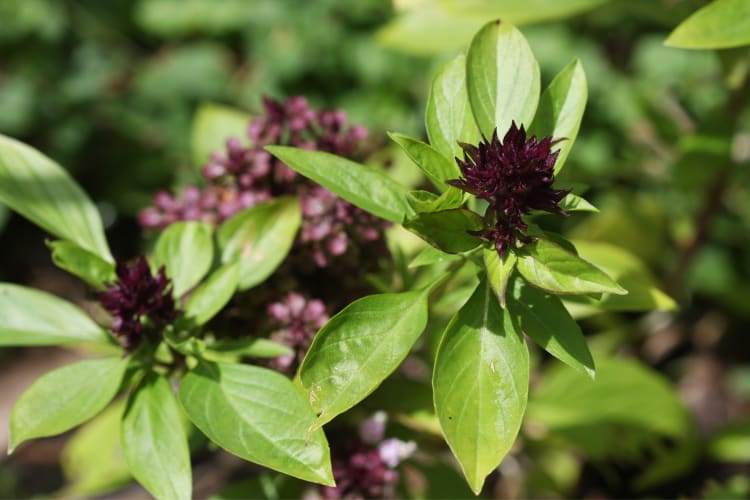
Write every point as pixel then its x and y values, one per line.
pixel 515 176
pixel 135 297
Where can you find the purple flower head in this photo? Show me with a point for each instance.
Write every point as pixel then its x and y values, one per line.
pixel 362 473
pixel 135 297
pixel 297 320
pixel 515 176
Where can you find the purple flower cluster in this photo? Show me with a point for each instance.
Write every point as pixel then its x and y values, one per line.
pixel 296 320
pixel 135 298
pixel 515 176
pixel 367 467
pixel 329 224
pixel 244 176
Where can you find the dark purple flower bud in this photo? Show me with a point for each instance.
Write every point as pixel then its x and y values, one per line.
pixel 138 301
pixel 515 176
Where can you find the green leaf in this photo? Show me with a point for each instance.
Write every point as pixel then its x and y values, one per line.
pixel 32 317
pixel 732 443
pixel 447 230
pixel 502 78
pixel 425 201
pixel 185 249
pixel 213 124
pixel 213 294
pixel 544 318
pixel 366 187
pixel 480 384
pixel 359 347
pixel 65 397
pixel 45 193
pixel 448 116
pixel 499 271
pixel 91 268
pixel 520 11
pixel 260 238
pixel 431 255
pixel 574 203
pixel 549 267
pixel 632 274
pixel 251 347
pixel 258 415
pixel 437 167
pixel 92 459
pixel 154 440
pixel 719 25
pixel 561 109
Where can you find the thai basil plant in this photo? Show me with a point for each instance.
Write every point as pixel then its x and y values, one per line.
pixel 495 147
pixel 213 333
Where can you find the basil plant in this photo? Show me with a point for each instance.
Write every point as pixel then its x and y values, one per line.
pixel 495 146
pixel 496 143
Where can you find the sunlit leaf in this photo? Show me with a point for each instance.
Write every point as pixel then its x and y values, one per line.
pixel 260 416
pixel 480 384
pixel 561 110
pixel 154 441
pixel 720 24
pixel 361 185
pixel 260 238
pixel 64 398
pixel 185 248
pixel 448 118
pixel 502 78
pixel 45 193
pixel 550 267
pixel 33 317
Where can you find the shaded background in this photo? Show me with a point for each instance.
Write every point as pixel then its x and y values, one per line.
pixel 109 89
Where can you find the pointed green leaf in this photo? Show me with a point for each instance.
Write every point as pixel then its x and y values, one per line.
pixel 65 397
pixel 258 415
pixel 45 193
pixel 480 384
pixel 544 318
pixel 260 238
pixel 632 274
pixel 448 116
pixel 719 25
pixel 185 249
pixel 33 317
pixel 499 271
pixel 431 255
pixel 561 110
pixel 366 187
pixel 251 347
pixel 154 441
pixel 447 230
pixel 502 78
pixel 425 201
pixel 548 266
pixel 437 167
pixel 213 124
pixel 91 268
pixel 359 347
pixel 213 294
pixel 574 203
